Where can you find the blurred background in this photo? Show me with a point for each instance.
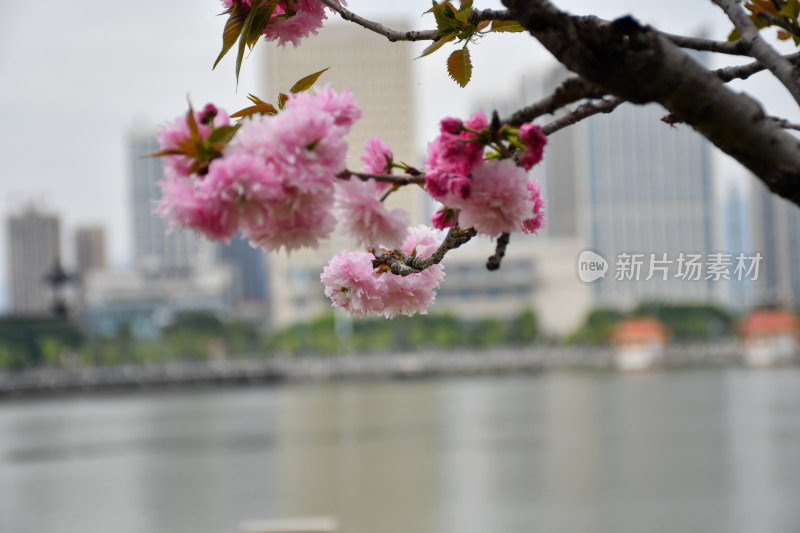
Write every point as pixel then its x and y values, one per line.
pixel 530 398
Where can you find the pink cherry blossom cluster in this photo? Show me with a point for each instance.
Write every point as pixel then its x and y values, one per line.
pixel 291 20
pixel 353 284
pixel 275 178
pixel 359 206
pixel 493 196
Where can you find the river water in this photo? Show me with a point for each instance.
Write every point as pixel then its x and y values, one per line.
pixel 681 451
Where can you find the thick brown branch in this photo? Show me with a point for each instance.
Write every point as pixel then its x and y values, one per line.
pixel 776 63
pixel 572 90
pixel 637 64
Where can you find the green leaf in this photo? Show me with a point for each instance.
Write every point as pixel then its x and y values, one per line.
pixel 459 66
pixel 506 25
pixel 446 21
pixel 438 44
pixel 259 22
pixel 307 82
pixel 222 134
pixel 232 31
pixel 734 36
pixel 464 11
pixel 247 30
pixel 264 109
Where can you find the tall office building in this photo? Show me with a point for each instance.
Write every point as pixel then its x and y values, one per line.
pixel 34 249
pixel 633 189
pixel 157 250
pixel 379 74
pixel 90 249
pixel 775 227
pixel 249 289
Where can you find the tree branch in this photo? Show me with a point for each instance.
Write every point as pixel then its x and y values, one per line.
pixel 639 65
pixel 381 178
pixel 392 35
pixel 737 48
pixel 477 15
pixel 572 90
pixel 776 63
pixel 493 263
pixel 403 264
pixel 583 112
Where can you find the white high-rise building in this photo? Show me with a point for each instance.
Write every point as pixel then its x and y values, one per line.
pixel 379 74
pixel 775 234
pixel 157 250
pixel 34 250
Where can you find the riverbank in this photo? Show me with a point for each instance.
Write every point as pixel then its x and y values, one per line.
pixel 255 370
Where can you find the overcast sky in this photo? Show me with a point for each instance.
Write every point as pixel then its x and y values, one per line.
pixel 76 77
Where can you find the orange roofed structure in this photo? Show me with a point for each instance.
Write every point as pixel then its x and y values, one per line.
pixel 639 343
pixel 769 337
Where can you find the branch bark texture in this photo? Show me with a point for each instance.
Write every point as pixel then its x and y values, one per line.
pixel 640 65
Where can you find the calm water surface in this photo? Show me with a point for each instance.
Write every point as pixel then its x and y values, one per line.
pixel 685 451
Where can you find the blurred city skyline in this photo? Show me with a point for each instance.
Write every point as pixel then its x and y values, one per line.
pixel 74 97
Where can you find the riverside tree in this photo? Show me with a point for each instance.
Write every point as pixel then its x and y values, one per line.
pixel 276 171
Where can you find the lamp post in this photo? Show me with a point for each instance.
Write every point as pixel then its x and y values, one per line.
pixel 60 283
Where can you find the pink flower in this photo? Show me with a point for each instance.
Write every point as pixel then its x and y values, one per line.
pixel 341 106
pixel 364 217
pixel 172 135
pixel 306 20
pixel 376 156
pixel 499 201
pixel 352 283
pixel 445 217
pixel 293 229
pixel 242 187
pixel 185 207
pixel 535 223
pixel 534 140
pixel 454 154
pixel 421 241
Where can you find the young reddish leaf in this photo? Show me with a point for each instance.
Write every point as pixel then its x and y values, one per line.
pixel 506 25
pixel 483 24
pixel 255 99
pixel 264 109
pixel 438 44
pixel 307 82
pixel 232 31
pixel 282 100
pixel 459 66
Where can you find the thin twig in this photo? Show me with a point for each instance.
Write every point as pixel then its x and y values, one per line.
pixel 742 72
pixel 584 111
pixel 777 21
pixel 776 63
pixel 493 263
pixel 785 124
pixel 737 48
pixel 571 90
pixel 478 15
pixel 381 178
pixel 392 35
